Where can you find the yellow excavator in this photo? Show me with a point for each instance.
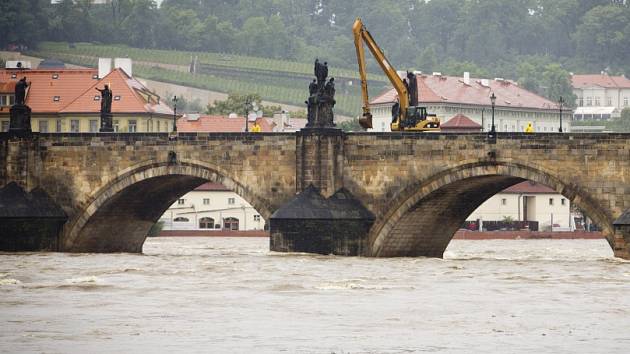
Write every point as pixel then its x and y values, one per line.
pixel 406 114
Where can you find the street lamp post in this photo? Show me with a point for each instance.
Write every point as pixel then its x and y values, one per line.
pixel 483 109
pixel 493 99
pixel 174 114
pixel 561 102
pixel 249 104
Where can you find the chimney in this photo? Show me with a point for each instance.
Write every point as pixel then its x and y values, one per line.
pixel 466 78
pixel 125 64
pixel 104 67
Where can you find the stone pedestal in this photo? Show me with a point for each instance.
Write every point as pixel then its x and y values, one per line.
pixel 20 121
pixel 30 221
pixel 311 223
pixel 106 123
pixel 621 238
pixel 320 159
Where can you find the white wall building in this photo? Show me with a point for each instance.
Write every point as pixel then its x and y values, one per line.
pixel 212 206
pixel 600 97
pixel 528 201
pixel 448 96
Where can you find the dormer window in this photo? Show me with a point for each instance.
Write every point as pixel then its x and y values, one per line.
pixel 55 76
pixel 97 98
pixel 116 98
pixel 56 98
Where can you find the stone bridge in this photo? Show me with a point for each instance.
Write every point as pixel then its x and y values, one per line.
pixel 419 187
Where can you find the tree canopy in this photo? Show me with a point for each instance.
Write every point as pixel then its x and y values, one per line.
pixel 534 41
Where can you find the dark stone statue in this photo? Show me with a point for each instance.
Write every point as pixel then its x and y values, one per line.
pixel 106 110
pixel 321 98
pixel 412 89
pixel 20 113
pixel 106 99
pixel 312 88
pixel 20 91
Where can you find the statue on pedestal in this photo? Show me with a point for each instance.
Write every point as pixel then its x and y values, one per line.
pixel 321 98
pixel 20 113
pixel 106 109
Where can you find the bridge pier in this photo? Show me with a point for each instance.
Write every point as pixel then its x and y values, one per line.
pixel 621 237
pixel 324 217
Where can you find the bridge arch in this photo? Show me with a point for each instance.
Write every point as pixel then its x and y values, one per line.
pixel 118 216
pixel 422 220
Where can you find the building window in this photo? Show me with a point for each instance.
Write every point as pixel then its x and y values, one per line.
pixel 158 125
pixel 562 201
pixel 116 126
pixel 181 201
pixel 93 126
pixel 56 98
pixel 503 201
pixel 230 224
pixel 256 217
pixel 43 126
pixel 206 201
pixel 625 101
pixel 5 125
pixel 132 126
pixel 206 223
pixel 97 98
pixel 116 98
pixel 550 201
pixel 231 201
pixel 181 219
pixel 59 125
pixel 74 126
pixel 55 76
pixel 597 101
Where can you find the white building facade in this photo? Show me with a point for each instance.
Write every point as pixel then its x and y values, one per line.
pixel 600 97
pixel 528 201
pixel 212 207
pixel 448 96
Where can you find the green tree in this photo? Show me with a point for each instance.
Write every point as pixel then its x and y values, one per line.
pixel 351 125
pixel 22 22
pixel 235 103
pixel 603 37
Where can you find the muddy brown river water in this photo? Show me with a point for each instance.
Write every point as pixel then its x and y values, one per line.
pixel 231 295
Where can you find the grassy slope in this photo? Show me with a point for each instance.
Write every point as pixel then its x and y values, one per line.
pixel 275 80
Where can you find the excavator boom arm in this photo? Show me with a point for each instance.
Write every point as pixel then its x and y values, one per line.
pixel 361 36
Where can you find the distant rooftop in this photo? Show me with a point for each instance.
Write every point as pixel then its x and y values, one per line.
pixel 458 90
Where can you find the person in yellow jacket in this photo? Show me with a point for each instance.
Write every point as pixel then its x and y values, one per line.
pixel 529 128
pixel 256 128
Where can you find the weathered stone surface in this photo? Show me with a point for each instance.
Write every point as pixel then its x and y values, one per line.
pixel 418 186
pixel 314 224
pixel 28 221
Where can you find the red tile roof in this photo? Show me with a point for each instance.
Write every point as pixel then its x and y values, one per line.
pixel 219 124
pixel 460 121
pixel 601 80
pixel 529 187
pixel 451 89
pixel 75 89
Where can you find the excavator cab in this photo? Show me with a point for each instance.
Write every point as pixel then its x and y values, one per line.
pixel 366 120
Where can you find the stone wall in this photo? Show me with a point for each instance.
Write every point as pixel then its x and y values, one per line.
pixel 418 183
pixel 97 177
pixel 420 187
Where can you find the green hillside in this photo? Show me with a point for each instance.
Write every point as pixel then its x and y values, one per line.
pixel 273 79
